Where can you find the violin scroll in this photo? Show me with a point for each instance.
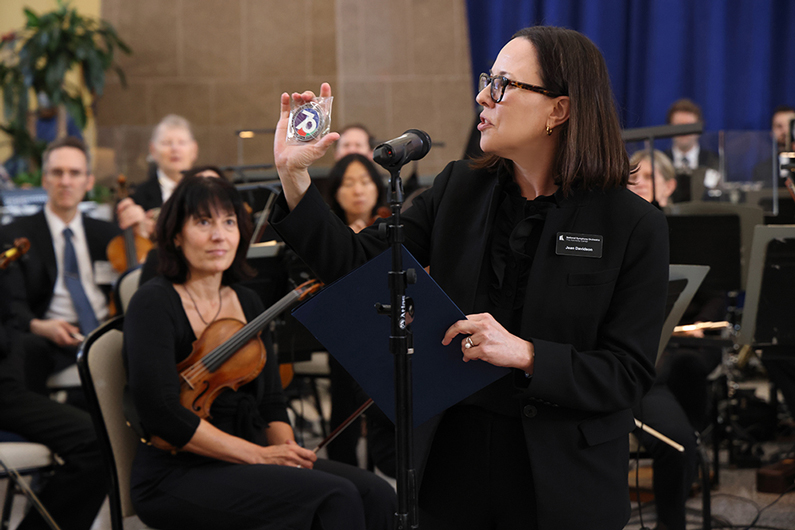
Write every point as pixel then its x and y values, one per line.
pixel 307 288
pixel 21 246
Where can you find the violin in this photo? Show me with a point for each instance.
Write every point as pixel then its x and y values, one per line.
pixel 21 245
pixel 129 249
pixel 228 354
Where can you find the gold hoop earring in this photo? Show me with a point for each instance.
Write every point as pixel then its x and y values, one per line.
pixel 549 130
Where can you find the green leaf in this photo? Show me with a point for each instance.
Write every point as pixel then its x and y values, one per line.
pixel 74 105
pixel 122 77
pixel 54 76
pixel 56 40
pixel 32 18
pixel 94 73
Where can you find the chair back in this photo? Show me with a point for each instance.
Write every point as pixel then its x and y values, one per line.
pixel 126 286
pixel 104 378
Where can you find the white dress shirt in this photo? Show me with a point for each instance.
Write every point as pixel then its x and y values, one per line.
pixel 688 160
pixel 61 306
pixel 166 185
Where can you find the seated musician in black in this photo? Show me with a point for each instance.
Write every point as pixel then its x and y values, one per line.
pixel 241 468
pixel 78 486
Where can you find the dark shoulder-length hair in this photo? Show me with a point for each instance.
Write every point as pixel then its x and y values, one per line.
pixel 200 197
pixel 591 153
pixel 195 170
pixel 337 174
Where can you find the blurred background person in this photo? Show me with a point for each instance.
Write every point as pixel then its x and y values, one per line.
pixel 357 194
pixel 664 177
pixel 696 167
pixel 61 287
pixel 686 153
pixel 173 150
pixel 779 130
pixel 354 138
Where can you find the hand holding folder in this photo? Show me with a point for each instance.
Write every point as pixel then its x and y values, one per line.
pixel 343 318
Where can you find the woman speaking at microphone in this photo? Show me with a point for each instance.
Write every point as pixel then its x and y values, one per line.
pixel 562 272
pixel 241 467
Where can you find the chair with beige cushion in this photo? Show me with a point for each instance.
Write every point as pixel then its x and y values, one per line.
pixel 125 288
pixel 104 378
pixel 19 460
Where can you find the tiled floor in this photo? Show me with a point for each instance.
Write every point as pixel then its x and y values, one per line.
pixel 735 503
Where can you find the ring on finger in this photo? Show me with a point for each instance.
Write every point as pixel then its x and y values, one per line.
pixel 468 343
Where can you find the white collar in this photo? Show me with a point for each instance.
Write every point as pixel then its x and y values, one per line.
pixel 57 225
pixel 166 183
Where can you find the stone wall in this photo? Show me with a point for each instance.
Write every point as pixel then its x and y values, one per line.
pixel 393 65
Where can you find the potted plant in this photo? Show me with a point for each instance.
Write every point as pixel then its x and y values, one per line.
pixel 38 58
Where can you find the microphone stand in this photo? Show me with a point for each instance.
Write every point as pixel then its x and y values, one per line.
pixel 401 310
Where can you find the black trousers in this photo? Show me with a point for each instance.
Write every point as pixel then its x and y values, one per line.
pixel 779 361
pixel 74 494
pixel 478 475
pixel 674 472
pixel 42 358
pixel 215 494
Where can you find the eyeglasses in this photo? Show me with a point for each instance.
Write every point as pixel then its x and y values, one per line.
pixel 500 82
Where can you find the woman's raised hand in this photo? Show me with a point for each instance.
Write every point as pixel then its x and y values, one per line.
pixel 293 161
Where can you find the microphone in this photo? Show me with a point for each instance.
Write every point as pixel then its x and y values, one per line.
pixel 411 145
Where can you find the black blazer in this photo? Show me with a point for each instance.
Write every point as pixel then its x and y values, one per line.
pixel 32 278
pixel 148 194
pixel 595 323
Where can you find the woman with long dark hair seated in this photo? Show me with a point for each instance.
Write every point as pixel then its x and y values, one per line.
pixel 240 468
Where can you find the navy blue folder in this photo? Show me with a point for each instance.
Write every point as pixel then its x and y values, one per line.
pixel 343 318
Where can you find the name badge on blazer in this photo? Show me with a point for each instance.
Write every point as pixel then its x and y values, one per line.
pixel 580 245
pixel 104 273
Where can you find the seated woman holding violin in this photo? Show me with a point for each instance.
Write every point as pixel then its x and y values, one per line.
pixel 231 461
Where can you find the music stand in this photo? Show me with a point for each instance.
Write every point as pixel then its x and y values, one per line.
pixel 750 217
pixel 712 240
pixel 768 313
pixel 683 282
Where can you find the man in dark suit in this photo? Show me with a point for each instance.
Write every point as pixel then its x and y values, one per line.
pixel 60 288
pixel 35 313
pixel 779 130
pixel 696 168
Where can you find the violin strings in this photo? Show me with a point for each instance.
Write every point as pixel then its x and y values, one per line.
pixel 216 357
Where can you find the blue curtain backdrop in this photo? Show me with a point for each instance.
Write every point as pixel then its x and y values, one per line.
pixel 735 58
